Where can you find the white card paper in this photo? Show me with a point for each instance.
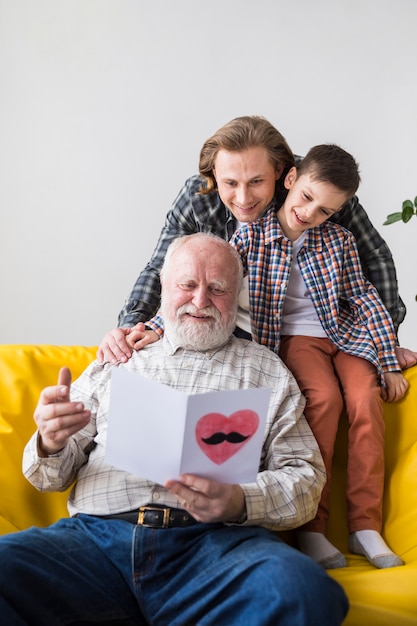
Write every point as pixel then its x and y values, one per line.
pixel 158 433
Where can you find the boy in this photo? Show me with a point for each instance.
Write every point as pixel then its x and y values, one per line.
pixel 310 302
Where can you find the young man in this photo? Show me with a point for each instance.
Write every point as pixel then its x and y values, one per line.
pixel 310 303
pixel 242 169
pixel 192 551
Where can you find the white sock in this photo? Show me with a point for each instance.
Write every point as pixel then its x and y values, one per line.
pixel 370 544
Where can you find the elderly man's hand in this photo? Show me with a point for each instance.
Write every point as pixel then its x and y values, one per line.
pixel 56 417
pixel 207 500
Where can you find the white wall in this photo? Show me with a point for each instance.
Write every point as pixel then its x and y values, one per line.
pixel 105 104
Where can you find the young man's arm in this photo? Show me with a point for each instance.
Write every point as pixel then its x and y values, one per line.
pixel 143 301
pixel 190 213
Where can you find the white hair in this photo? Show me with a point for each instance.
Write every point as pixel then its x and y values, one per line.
pixel 180 241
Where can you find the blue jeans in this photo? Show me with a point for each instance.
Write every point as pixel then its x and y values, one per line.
pixel 89 570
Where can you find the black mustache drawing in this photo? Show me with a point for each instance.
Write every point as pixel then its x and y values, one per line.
pixel 217 438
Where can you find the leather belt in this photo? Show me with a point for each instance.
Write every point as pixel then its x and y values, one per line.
pixel 155 517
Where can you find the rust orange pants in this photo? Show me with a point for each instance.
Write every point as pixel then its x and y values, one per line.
pixel 331 379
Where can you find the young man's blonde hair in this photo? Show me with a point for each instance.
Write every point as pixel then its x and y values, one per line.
pixel 239 134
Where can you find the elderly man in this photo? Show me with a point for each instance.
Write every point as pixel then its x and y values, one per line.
pixel 200 552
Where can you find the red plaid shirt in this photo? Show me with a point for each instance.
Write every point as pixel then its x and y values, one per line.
pixel 348 306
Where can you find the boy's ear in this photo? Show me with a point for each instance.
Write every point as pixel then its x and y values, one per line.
pixel 290 178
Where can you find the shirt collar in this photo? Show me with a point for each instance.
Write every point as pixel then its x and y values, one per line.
pixel 273 231
pixel 170 348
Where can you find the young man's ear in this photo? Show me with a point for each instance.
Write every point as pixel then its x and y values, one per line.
pixel 290 178
pixel 278 171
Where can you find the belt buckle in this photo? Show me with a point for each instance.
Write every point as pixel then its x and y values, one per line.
pixel 144 509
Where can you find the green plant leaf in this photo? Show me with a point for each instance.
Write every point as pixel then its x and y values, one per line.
pixel 415 202
pixel 393 217
pixel 408 211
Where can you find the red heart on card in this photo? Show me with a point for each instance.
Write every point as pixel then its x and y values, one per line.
pixel 220 437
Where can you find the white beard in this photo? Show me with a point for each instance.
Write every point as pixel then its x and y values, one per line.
pixel 190 335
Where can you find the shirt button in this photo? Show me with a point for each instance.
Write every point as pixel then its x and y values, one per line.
pixel 155 495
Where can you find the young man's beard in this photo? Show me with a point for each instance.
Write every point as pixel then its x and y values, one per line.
pixel 195 335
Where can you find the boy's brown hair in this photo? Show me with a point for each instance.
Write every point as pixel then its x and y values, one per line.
pixel 329 163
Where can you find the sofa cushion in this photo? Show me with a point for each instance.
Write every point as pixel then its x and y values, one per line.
pixel 24 371
pixel 383 597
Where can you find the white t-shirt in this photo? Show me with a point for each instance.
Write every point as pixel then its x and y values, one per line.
pixel 299 316
pixel 243 317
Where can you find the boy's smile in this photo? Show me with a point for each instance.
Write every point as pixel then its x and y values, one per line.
pixel 309 203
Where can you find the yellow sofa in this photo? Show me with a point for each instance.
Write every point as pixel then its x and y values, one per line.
pixel 377 597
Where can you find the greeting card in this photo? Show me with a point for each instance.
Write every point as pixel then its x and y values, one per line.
pixel 157 432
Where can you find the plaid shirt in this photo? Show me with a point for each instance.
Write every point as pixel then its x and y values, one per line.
pixel 348 306
pixel 291 473
pixel 194 212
